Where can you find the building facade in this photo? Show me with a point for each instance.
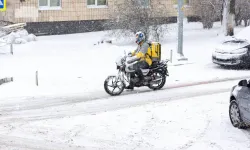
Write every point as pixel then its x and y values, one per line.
pixel 69 16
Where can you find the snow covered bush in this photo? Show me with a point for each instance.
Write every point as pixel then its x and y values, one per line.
pixel 20 37
pixel 1 33
pixel 11 37
pixel 31 37
pixel 20 41
pixel 22 33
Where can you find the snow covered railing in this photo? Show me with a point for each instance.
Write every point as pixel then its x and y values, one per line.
pixel 5 30
pixel 14 27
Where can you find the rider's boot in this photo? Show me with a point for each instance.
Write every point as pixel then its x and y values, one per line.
pixel 130 87
pixel 131 83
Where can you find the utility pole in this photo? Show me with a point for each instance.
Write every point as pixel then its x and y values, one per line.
pixel 180 30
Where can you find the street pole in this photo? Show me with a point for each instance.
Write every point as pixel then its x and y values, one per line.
pixel 180 30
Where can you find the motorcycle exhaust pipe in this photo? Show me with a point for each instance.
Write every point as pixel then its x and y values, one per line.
pixel 157 79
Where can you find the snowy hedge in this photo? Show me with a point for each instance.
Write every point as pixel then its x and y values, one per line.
pixel 20 37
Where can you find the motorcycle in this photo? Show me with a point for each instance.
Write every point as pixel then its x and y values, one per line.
pixel 154 77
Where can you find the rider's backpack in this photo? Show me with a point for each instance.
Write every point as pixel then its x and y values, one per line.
pixel 154 51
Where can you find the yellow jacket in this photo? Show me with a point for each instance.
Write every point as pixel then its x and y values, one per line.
pixel 141 52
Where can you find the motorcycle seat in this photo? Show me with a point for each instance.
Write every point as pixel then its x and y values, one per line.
pixel 154 65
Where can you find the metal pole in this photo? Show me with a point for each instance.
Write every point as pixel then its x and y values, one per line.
pixel 171 56
pixel 180 27
pixel 11 48
pixel 36 78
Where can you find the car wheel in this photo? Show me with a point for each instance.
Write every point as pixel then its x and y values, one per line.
pixel 234 114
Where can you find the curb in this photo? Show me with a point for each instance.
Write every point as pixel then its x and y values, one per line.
pixel 6 80
pixel 189 84
pixel 180 64
pixel 206 82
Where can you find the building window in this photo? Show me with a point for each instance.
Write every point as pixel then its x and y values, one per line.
pixel 143 3
pixel 49 4
pixel 186 2
pixel 97 3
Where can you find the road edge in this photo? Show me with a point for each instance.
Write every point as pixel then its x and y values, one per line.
pixel 211 81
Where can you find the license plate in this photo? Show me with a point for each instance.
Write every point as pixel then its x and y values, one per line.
pixel 222 56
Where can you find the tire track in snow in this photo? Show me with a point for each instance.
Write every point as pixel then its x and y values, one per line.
pixel 51 101
pixel 202 134
pixel 212 124
pixel 213 144
pixel 108 144
pixel 92 108
pixel 247 134
pixel 42 103
pixel 79 111
pixel 34 144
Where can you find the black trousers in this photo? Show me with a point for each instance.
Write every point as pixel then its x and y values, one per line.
pixel 138 66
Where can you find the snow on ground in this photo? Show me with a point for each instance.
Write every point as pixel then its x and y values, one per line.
pixel 177 124
pixel 72 69
pixel 76 63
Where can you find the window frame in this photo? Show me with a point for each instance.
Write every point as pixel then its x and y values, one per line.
pixel 97 6
pixel 48 7
pixel 184 4
pixel 149 2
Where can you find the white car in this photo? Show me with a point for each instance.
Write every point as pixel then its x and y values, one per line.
pixel 235 51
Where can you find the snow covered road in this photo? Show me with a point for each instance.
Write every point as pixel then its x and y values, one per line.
pixel 62 106
pixel 185 118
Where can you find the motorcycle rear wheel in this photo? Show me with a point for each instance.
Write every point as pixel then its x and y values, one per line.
pixel 161 82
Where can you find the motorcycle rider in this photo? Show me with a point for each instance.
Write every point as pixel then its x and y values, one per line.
pixel 140 54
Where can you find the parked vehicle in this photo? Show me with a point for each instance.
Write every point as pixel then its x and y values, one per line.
pixel 239 108
pixel 154 77
pixel 235 51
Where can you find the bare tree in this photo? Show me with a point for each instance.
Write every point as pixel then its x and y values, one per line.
pixel 225 16
pixel 132 16
pixel 231 18
pixel 208 10
pixel 242 12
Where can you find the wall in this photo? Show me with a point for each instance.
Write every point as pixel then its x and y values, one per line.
pixel 8 15
pixel 71 10
pixel 74 16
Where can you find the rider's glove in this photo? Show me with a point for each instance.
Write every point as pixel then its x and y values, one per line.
pixel 130 54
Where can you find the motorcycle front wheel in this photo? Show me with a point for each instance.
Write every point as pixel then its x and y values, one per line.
pixel 113 86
